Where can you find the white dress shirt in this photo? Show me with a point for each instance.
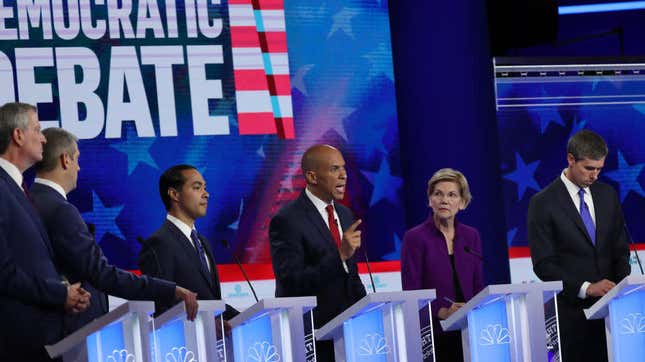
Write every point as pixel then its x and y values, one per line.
pixel 573 192
pixel 12 170
pixel 186 230
pixel 51 184
pixel 320 205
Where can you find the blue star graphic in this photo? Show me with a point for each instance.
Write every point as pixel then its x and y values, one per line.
pixel 298 81
pixel 385 185
pixel 545 117
pixel 523 176
pixel 510 235
pixel 103 218
pixel 342 20
pixel 396 254
pixel 137 150
pixel 577 126
pixel 640 108
pixel 260 152
pixel 627 177
pixel 380 62
pixel 235 224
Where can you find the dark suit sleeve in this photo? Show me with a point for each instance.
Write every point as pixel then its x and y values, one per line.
pixel 21 285
pixel 289 264
pixel 542 243
pixel 76 248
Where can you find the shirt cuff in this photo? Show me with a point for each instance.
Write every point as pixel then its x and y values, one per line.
pixel 582 294
pixel 345 267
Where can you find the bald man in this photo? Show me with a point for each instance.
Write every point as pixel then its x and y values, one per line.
pixel 313 240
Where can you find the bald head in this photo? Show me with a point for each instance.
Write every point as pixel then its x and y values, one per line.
pixel 324 169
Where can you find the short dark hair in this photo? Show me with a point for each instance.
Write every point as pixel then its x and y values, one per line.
pixel 587 144
pixel 13 115
pixel 172 178
pixel 59 142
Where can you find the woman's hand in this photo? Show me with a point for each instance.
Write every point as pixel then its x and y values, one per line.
pixel 445 313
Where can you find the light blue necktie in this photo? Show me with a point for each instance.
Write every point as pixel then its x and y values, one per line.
pixel 586 217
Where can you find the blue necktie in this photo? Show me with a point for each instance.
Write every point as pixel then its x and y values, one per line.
pixel 200 249
pixel 586 217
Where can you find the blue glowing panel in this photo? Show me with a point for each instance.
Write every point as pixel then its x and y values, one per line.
pixel 628 326
pixel 365 338
pixel 490 338
pixel 108 344
pixel 170 344
pixel 253 341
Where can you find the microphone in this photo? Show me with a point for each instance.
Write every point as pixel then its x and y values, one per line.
pixel 470 251
pixel 226 245
pixel 367 262
pixel 142 241
pixel 631 241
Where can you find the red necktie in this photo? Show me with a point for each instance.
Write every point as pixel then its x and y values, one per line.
pixel 333 226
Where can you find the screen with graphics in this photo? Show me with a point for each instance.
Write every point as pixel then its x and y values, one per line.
pixel 539 107
pixel 237 88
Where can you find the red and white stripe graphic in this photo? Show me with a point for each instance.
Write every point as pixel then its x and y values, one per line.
pixel 261 67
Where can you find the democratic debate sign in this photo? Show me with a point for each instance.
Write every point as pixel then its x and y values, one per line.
pixel 94 65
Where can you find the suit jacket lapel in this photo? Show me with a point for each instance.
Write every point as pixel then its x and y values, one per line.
pixel 570 209
pixel 314 217
pixel 28 207
pixel 601 214
pixel 189 249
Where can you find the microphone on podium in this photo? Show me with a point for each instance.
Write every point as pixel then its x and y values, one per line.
pixel 470 251
pixel 631 241
pixel 226 245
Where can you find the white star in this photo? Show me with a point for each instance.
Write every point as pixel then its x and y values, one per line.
pixel 343 21
pixel 298 81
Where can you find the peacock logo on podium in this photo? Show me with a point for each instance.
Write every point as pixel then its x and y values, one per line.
pixel 632 324
pixel 263 352
pixel 373 344
pixel 180 354
pixel 494 334
pixel 120 356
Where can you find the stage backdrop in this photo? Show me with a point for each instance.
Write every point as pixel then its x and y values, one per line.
pixel 238 89
pixel 539 107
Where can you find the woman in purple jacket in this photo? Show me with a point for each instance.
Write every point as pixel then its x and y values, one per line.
pixel 442 254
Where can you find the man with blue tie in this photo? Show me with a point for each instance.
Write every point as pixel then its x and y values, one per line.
pixel 577 234
pixel 176 251
pixel 33 296
pixel 77 254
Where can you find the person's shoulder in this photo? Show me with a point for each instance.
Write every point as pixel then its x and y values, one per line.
pixel 548 191
pixel 417 232
pixel 291 209
pixel 467 229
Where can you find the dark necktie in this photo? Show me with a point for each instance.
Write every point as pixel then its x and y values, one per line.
pixel 586 217
pixel 25 190
pixel 333 226
pixel 200 249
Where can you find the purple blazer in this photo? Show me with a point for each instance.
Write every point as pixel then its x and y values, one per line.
pixel 425 263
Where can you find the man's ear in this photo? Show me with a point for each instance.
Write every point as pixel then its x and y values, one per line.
pixel 570 159
pixel 64 160
pixel 311 178
pixel 173 194
pixel 18 136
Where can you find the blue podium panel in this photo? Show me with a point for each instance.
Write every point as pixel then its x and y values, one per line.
pixel 173 338
pixel 628 325
pixel 490 339
pixel 109 345
pixel 259 339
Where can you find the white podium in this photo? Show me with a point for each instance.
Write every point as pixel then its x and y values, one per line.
pixel 121 335
pixel 381 326
pixel 623 309
pixel 505 323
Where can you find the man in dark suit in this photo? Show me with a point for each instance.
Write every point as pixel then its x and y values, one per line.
pixel 33 297
pixel 77 255
pixel 577 235
pixel 176 251
pixel 310 252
